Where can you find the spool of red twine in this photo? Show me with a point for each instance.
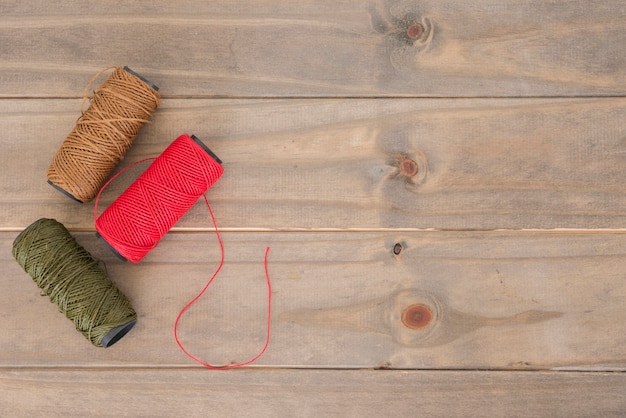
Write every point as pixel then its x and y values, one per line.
pixel 136 221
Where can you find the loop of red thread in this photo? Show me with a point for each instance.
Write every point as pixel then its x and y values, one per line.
pixel 206 286
pixel 175 168
pixel 137 220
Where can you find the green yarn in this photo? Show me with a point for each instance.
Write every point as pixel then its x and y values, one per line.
pixel 72 279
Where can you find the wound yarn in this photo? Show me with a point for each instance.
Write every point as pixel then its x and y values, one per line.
pixel 103 134
pixel 136 221
pixel 72 279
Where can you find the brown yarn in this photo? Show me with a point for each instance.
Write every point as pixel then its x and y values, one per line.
pixel 103 134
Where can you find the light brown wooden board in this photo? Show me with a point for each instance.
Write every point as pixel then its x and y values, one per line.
pixel 499 301
pixel 250 79
pixel 309 393
pixel 319 48
pixel 291 164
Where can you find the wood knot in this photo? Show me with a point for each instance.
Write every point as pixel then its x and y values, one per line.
pixel 410 36
pixel 408 167
pixel 412 168
pixel 397 249
pixel 416 316
pixel 414 31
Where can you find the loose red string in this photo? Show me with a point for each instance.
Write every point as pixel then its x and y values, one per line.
pixel 157 176
pixel 206 286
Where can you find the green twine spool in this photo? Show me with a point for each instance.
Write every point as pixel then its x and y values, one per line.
pixel 70 276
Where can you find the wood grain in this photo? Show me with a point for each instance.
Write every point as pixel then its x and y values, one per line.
pixel 441 183
pixel 309 393
pixel 319 48
pixel 498 301
pixel 294 164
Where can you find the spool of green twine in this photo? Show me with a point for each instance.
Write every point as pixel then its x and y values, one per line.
pixel 71 277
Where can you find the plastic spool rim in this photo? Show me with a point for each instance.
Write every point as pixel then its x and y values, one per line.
pixel 65 192
pixel 117 333
pixel 142 78
pixel 113 250
pixel 206 149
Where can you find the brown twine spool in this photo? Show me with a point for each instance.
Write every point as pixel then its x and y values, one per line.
pixel 103 133
pixel 71 277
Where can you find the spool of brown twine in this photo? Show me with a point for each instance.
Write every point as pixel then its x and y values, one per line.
pixel 103 134
pixel 71 277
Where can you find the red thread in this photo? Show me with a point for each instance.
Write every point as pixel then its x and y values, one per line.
pixel 137 220
pixel 206 286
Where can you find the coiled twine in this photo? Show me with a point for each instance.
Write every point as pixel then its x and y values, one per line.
pixel 103 134
pixel 137 220
pixel 71 277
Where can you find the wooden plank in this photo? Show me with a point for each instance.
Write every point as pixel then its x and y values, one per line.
pixel 320 47
pixel 309 393
pixel 497 301
pixel 291 164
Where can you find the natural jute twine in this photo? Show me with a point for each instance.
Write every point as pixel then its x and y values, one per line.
pixel 103 133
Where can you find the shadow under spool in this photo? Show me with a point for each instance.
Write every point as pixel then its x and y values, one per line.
pixel 147 82
pixel 207 150
pixel 129 317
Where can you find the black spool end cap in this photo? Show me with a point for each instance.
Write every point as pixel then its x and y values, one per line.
pixel 205 148
pixel 65 192
pixel 117 333
pixel 113 250
pixel 142 78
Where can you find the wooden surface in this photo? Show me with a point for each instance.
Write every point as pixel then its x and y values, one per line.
pixel 297 393
pixel 511 229
pixel 339 48
pixel 315 164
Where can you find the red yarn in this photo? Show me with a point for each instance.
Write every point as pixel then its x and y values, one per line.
pixel 137 220
pixel 206 286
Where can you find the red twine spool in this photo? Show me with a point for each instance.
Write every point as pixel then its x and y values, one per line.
pixel 137 220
